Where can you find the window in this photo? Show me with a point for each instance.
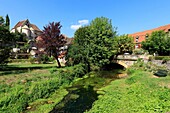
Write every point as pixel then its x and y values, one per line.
pixel 137 38
pixel 146 36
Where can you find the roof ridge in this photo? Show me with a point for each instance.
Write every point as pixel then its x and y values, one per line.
pixel 153 29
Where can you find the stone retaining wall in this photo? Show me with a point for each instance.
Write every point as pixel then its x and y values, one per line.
pixel 160 63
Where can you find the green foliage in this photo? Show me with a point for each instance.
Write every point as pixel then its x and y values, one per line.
pixel 123 44
pixel 161 57
pixel 93 44
pixel 139 93
pixel 139 51
pixel 16 97
pixel 149 67
pixel 101 36
pixel 158 42
pixel 72 72
pixel 7 40
pixel 78 51
pixel 7 23
pixel 164 59
pixel 42 59
pixel 1 20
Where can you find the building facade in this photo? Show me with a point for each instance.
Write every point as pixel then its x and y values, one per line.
pixel 142 36
pixel 30 30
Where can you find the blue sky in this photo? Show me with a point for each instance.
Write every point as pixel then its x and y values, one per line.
pixel 129 16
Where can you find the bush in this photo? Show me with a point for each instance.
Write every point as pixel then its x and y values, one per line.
pixel 42 59
pixel 19 60
pixel 149 67
pixel 33 60
pixel 139 51
pixel 162 58
pixel 74 71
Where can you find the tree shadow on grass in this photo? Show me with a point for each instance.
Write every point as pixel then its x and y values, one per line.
pixel 6 70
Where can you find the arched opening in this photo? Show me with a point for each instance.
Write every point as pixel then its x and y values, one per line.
pixel 113 66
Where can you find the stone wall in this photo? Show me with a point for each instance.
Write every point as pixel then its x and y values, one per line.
pixel 160 63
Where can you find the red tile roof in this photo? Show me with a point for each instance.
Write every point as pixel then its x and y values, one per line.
pixel 35 27
pixel 21 23
pixel 165 28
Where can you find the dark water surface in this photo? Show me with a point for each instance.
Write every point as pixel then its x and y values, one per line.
pixel 82 95
pixel 77 101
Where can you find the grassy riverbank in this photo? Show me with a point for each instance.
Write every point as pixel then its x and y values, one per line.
pixel 24 86
pixel 38 88
pixel 141 92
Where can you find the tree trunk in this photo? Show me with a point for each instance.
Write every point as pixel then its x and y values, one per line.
pixel 59 65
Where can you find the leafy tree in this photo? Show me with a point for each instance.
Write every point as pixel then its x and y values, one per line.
pixel 52 40
pixel 95 43
pixel 167 45
pixel 101 36
pixel 78 52
pixel 123 44
pixel 7 40
pixel 157 43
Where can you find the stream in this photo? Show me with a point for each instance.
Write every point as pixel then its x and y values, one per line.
pixel 82 94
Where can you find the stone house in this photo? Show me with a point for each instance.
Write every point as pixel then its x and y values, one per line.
pixel 30 30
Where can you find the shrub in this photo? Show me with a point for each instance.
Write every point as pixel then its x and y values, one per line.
pixel 139 51
pixel 41 59
pixel 149 67
pixel 32 60
pixel 74 71
pixel 162 57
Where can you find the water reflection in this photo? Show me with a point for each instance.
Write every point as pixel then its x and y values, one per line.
pixel 77 101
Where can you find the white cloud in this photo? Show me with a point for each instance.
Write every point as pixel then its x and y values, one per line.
pixel 80 24
pixel 75 27
pixel 83 22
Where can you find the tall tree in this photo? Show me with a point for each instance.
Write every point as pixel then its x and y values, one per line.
pixel 157 43
pixel 101 36
pixel 123 44
pixel 7 23
pixel 7 40
pixel 52 40
pixel 95 42
pixel 78 52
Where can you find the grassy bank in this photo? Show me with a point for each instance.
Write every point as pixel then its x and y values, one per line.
pixel 24 86
pixel 37 88
pixel 141 92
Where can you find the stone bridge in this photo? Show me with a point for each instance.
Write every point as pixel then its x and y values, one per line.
pixel 128 60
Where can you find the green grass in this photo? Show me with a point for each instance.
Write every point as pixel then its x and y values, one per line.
pixel 32 87
pixel 139 93
pixel 24 72
pixel 37 88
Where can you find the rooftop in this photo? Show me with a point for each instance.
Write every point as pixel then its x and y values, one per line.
pixel 165 28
